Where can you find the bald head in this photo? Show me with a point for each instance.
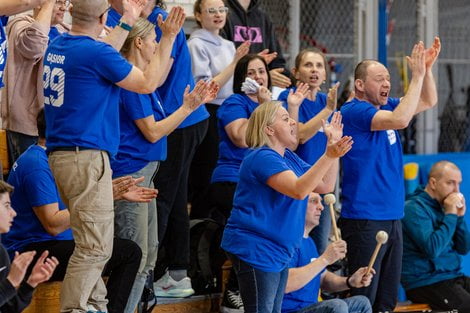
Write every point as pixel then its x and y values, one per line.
pixel 361 69
pixel 85 11
pixel 438 169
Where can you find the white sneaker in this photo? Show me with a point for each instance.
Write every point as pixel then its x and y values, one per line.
pixel 167 287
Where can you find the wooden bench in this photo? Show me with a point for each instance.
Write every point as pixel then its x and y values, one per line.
pixel 4 165
pixel 46 298
pixel 412 307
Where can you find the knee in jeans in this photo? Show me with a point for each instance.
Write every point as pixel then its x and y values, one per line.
pixel 337 306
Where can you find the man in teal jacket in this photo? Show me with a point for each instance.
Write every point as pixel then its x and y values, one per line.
pixel 435 235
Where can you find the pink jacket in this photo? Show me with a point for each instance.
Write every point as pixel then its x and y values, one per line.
pixel 22 97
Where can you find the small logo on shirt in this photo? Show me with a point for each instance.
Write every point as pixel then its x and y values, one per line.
pixel 244 33
pixel 392 137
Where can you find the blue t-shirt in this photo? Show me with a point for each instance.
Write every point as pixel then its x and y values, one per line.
pixel 135 152
pixel 307 295
pixel 34 186
pixel 230 156
pixel 265 226
pixel 372 185
pixel 81 98
pixel 180 74
pixel 179 77
pixel 3 47
pixel 314 148
pixel 53 33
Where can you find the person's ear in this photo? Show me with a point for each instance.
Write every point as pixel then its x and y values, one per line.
pixel 359 85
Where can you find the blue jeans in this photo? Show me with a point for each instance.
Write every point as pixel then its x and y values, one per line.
pixel 261 292
pixel 138 222
pixel 356 304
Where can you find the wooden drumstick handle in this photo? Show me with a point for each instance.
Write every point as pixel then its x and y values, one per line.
pixel 333 222
pixel 372 259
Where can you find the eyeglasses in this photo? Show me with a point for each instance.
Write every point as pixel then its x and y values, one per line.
pixel 221 10
pixel 63 3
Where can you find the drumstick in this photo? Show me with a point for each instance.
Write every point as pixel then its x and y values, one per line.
pixel 330 200
pixel 381 238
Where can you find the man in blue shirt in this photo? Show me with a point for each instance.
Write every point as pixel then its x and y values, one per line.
pixel 373 185
pixel 307 273
pixel 82 77
pixel 435 236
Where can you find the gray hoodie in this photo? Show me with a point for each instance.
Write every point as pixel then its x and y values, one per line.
pixel 210 54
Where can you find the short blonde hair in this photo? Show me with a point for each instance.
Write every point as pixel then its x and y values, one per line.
pixel 263 116
pixel 142 28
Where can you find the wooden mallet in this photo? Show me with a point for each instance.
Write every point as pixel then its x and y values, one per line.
pixel 381 238
pixel 330 200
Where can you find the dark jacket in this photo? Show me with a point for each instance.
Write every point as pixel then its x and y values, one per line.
pixel 433 242
pixel 254 25
pixel 12 300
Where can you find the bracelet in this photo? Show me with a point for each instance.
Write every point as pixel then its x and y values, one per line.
pixel 124 26
pixel 348 284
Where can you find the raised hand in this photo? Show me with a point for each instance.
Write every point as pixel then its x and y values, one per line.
pixel 332 98
pixel 335 251
pixel 359 279
pixel 42 270
pixel 454 203
pixel 18 267
pixel 140 194
pixel 173 22
pixel 241 51
pixel 203 92
pixel 334 130
pixel 340 148
pixel 416 61
pixel 268 57
pixel 432 53
pixel 278 79
pixel 132 10
pixel 295 99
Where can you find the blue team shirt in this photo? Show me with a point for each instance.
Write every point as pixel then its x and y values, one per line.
pixel 265 226
pixel 307 295
pixel 34 186
pixel 179 77
pixel 180 74
pixel 135 152
pixel 372 185
pixel 230 156
pixel 3 47
pixel 81 98
pixel 314 148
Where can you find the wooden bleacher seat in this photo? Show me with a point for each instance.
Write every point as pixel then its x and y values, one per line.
pixel 412 307
pixel 46 298
pixel 4 165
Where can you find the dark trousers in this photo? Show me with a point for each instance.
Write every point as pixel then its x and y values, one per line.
pixel 445 295
pixel 17 144
pixel 172 184
pixel 204 162
pixel 360 237
pixel 121 268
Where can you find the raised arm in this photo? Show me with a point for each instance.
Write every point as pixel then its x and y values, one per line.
pixel 10 7
pixel 147 81
pixel 404 112
pixel 428 97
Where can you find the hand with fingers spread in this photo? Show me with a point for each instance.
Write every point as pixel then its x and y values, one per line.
pixel 42 270
pixel 241 51
pixel 122 184
pixel 132 10
pixel 19 266
pixel 332 98
pixel 268 57
pixel 173 22
pixel 140 194
pixel 334 252
pixel 203 92
pixel 278 79
pixel 333 130
pixel 416 61
pixel 295 99
pixel 339 148
pixel 432 53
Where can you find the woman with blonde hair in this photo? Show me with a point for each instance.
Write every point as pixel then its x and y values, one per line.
pixel 268 215
pixel 143 130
